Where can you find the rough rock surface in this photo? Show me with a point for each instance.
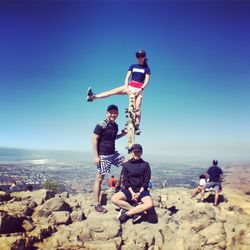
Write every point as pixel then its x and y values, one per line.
pixel 70 222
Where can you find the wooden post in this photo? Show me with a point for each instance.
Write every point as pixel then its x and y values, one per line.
pixel 131 123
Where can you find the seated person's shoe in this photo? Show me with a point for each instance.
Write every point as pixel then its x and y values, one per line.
pixel 100 209
pixel 123 217
pixel 121 212
pixel 136 218
pixel 89 95
pixel 137 130
pixel 200 200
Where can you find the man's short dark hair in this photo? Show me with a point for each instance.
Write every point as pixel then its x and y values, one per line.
pixel 112 106
pixel 215 162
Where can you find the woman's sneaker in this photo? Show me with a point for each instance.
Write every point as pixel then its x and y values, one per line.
pixel 136 218
pixel 122 216
pixel 100 209
pixel 137 130
pixel 89 95
pixel 121 211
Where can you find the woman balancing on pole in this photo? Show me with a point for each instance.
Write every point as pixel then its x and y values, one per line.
pixel 136 81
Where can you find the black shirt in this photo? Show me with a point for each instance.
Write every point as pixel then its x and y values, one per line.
pixel 214 174
pixel 136 174
pixel 107 132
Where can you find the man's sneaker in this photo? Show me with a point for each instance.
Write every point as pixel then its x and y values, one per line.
pixel 89 95
pixel 137 130
pixel 100 209
pixel 136 218
pixel 123 217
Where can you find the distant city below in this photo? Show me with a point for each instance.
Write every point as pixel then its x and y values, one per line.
pixel 74 172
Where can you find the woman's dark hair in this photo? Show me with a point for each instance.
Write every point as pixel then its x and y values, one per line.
pixel 146 62
pixel 202 176
pixel 143 53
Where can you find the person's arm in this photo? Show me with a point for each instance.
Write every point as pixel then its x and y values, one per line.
pixel 130 189
pixel 124 132
pixel 127 78
pixel 208 174
pixel 95 139
pixel 146 178
pixel 146 81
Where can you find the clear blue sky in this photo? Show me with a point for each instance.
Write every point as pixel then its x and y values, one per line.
pixel 198 100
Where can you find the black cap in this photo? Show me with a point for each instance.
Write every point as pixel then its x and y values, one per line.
pixel 136 147
pixel 140 52
pixel 112 106
pixel 215 162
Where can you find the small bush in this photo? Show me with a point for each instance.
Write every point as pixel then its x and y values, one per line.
pixel 51 185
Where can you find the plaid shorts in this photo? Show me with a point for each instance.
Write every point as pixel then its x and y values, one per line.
pixel 107 160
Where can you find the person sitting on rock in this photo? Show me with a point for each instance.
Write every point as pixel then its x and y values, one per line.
pixel 136 176
pixel 202 182
pixel 214 174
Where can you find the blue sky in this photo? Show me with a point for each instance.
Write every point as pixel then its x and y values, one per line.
pixel 198 100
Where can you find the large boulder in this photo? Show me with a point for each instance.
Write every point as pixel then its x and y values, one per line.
pixel 59 217
pixel 56 204
pixel 214 233
pixel 103 227
pixel 77 216
pixel 142 235
pixel 111 244
pixel 38 196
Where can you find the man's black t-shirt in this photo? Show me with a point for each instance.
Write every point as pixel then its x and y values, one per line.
pixel 107 132
pixel 214 174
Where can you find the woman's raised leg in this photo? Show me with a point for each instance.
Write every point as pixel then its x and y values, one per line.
pixel 122 90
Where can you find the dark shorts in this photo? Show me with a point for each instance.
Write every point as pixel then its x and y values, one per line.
pixel 212 186
pixel 129 196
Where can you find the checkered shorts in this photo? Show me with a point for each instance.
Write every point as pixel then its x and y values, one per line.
pixel 108 160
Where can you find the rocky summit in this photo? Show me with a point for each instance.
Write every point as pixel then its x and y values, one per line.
pixel 43 220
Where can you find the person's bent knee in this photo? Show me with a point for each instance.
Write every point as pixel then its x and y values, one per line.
pixel 148 204
pixel 114 199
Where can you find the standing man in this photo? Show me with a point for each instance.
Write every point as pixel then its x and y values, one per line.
pixel 214 175
pixel 103 140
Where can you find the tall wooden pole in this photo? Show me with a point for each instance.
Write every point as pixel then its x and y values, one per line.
pixel 131 123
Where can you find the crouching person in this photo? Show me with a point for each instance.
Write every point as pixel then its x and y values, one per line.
pixel 135 199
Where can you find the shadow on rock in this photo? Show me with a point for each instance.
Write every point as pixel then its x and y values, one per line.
pixel 104 199
pixel 210 199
